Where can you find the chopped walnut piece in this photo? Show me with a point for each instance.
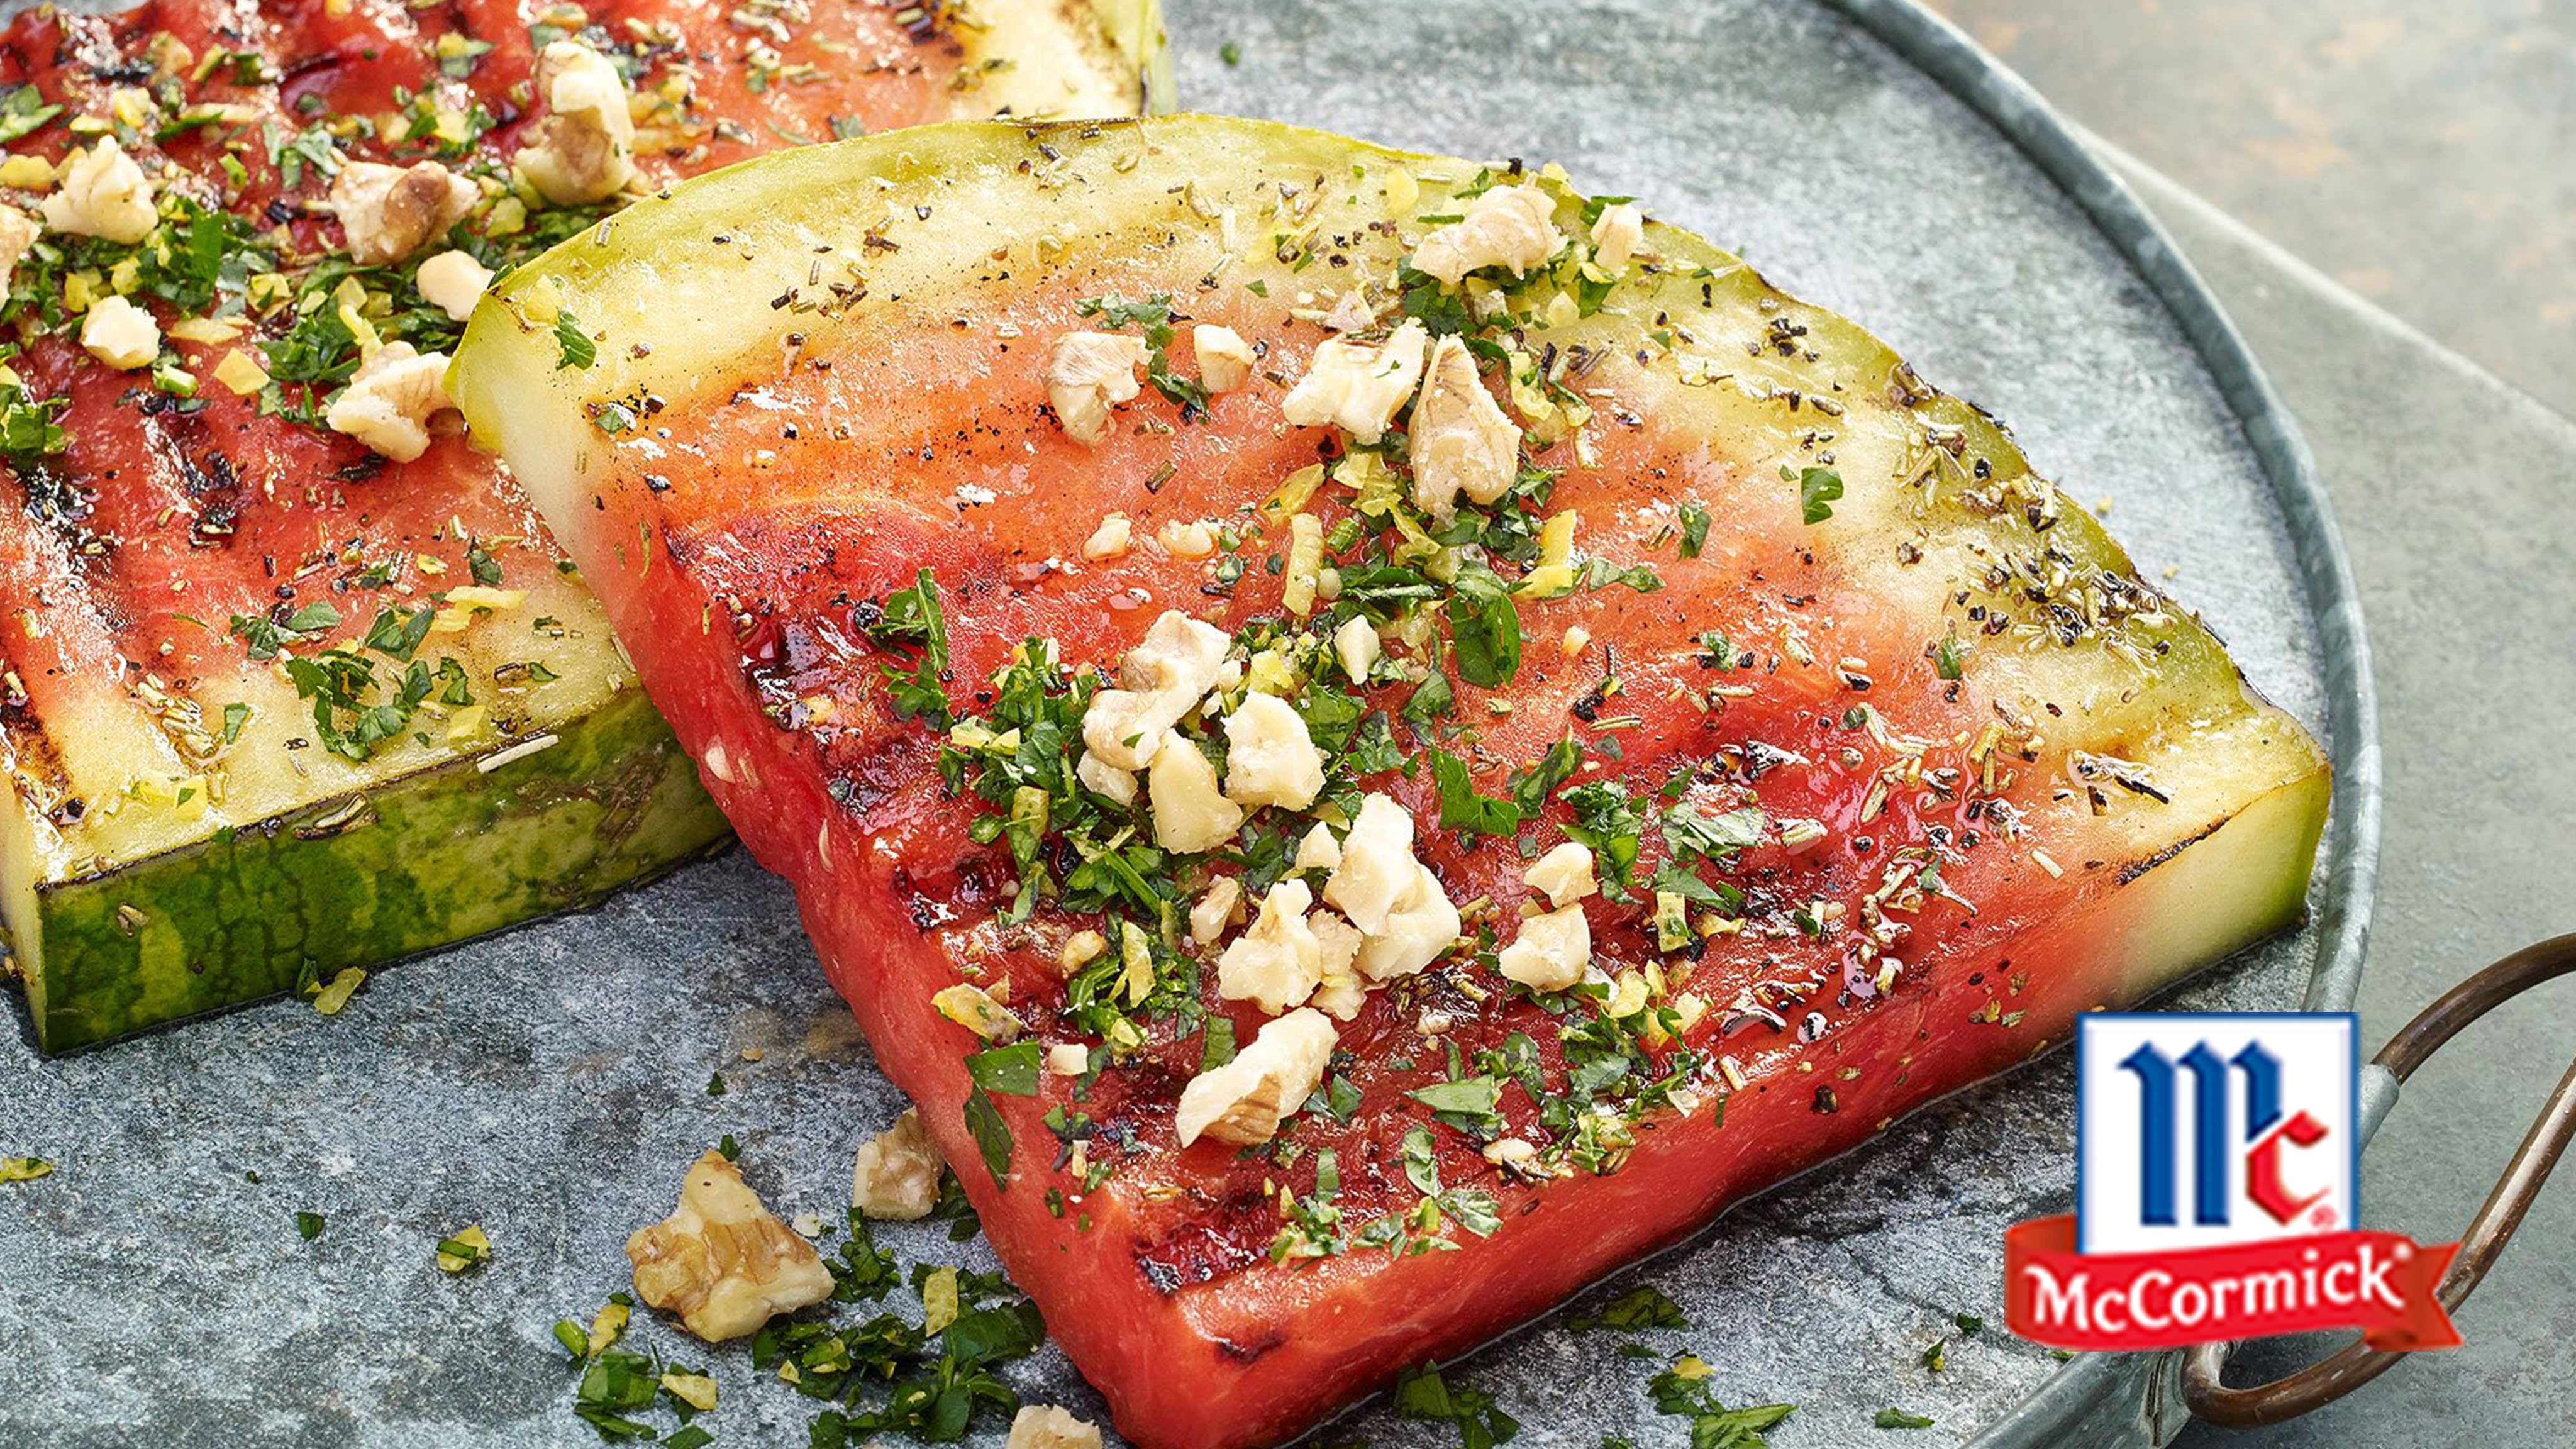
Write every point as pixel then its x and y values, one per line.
pixel 100 192
pixel 1509 226
pixel 1519 1161
pixel 1616 235
pixel 1191 812
pixel 1376 864
pixel 1358 386
pixel 1044 1426
pixel 721 1261
pixel 391 401
pixel 120 334
pixel 1357 646
pixel 1419 929
pixel 896 1176
pixel 583 149
pixel 1186 538
pixel 1277 963
pixel 1565 874
pixel 1088 374
pixel 1243 1101
pixel 1080 950
pixel 1225 359
pixel 1462 442
pixel 1107 781
pixel 1337 949
pixel 1163 678
pixel 1271 757
pixel 1111 539
pixel 1219 908
pixel 1551 951
pixel 452 282
pixel 18 233
pixel 390 212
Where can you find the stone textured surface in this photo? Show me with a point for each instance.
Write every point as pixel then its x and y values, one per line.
pixel 2401 146
pixel 551 1083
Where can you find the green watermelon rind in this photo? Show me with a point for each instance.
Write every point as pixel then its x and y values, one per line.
pixel 428 860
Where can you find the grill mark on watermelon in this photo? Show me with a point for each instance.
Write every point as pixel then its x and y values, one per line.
pixel 2131 870
pixel 28 753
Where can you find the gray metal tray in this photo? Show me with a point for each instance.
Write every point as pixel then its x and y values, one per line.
pixel 551 1083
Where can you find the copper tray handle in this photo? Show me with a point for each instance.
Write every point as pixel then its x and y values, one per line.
pixel 2204 1390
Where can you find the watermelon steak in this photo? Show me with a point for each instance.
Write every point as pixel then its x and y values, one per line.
pixel 287 685
pixel 1369 736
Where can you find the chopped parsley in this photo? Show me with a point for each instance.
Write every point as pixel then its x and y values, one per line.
pixel 1432 699
pixel 574 346
pixel 1336 1098
pixel 356 711
pixel 1485 627
pixel 1461 808
pixel 1818 488
pixel 1011 1070
pixel 1606 821
pixel 1424 1393
pixel 885 1373
pixel 890 1374
pixel 266 636
pixel 30 427
pixel 1716 837
pixel 1313 1229
pixel 616 1385
pixel 23 112
pixel 912 619
pixel 1217 1047
pixel 1694 528
pixel 1683 1391
pixel 992 1135
pixel 1601 573
pixel 1531 787
pixel 1467 1104
pixel 1634 1311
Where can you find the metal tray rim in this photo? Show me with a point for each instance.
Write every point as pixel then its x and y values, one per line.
pixel 2092 1384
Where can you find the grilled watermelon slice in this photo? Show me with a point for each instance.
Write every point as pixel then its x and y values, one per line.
pixel 180 831
pixel 1885 761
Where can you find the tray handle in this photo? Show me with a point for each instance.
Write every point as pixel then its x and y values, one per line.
pixel 2204 1390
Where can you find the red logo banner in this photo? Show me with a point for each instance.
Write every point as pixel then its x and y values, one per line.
pixel 2380 1283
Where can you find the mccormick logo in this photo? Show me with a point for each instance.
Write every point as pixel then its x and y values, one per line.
pixel 2217 1166
pixel 2192 1131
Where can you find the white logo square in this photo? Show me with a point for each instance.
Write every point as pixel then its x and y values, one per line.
pixel 2200 1129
